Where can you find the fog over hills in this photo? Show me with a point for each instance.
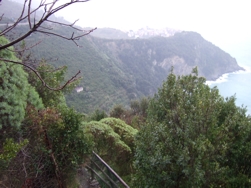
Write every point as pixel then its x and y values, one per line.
pixel 119 66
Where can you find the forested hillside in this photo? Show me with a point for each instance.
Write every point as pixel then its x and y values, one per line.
pixel 184 134
pixel 116 71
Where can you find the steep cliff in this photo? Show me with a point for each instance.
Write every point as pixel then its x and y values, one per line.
pixel 183 51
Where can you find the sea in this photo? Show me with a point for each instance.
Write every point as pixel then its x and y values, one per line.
pixel 237 83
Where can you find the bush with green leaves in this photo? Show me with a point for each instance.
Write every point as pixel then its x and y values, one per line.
pixel 97 115
pixel 48 142
pixel 134 116
pixel 15 91
pixel 193 138
pixel 70 145
pixel 10 151
pixel 118 111
pixel 57 137
pixel 54 78
pixel 126 132
pixel 114 142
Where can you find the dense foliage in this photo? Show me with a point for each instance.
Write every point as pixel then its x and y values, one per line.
pixel 193 138
pixel 59 135
pixel 134 116
pixel 38 132
pixel 55 78
pixel 114 142
pixel 187 135
pixel 15 91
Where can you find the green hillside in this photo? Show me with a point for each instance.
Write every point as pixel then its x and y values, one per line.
pixel 103 82
pixel 116 71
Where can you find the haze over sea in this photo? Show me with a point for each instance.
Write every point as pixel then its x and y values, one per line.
pixel 237 83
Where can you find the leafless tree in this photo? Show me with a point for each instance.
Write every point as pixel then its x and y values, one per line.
pixel 39 24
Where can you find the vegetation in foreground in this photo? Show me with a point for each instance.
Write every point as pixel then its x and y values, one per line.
pixel 186 135
pixel 193 137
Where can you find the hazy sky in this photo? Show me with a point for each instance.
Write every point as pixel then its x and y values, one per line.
pixel 222 22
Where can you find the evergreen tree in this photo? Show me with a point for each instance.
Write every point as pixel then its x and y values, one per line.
pixel 193 138
pixel 15 91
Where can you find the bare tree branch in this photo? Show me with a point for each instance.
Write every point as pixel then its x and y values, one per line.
pixel 37 24
pixel 70 25
pixel 74 78
pixel 9 28
pixel 72 38
pixel 25 48
pixel 49 9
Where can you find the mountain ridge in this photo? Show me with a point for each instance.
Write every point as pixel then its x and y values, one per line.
pixel 147 32
pixel 185 47
pixel 116 71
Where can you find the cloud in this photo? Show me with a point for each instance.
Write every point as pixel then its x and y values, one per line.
pixel 218 21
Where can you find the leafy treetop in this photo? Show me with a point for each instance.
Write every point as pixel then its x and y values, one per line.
pixel 189 138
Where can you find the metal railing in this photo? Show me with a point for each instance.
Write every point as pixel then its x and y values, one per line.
pixel 104 174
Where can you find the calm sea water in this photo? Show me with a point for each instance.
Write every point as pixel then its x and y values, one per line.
pixel 238 84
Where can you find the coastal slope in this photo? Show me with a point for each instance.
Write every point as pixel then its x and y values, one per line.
pixel 118 67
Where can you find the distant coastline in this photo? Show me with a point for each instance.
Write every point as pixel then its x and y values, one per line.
pixel 236 84
pixel 224 77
